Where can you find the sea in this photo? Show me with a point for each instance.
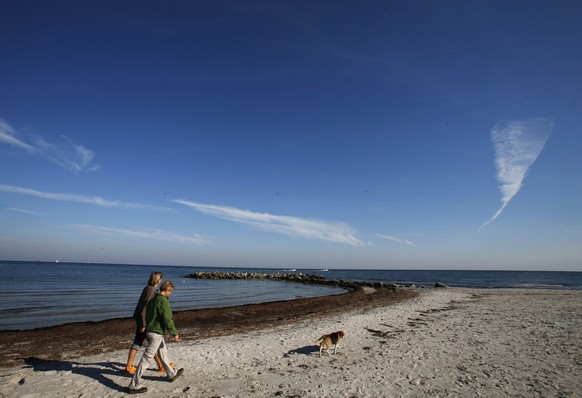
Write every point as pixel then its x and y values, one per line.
pixel 42 294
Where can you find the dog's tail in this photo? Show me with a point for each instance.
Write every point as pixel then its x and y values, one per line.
pixel 319 340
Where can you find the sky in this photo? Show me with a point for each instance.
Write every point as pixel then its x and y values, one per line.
pixel 292 134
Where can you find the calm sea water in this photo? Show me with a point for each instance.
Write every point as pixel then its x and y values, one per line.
pixel 48 294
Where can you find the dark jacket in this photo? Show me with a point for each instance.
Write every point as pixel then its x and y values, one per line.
pixel 140 309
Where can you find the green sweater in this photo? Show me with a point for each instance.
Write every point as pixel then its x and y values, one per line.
pixel 159 316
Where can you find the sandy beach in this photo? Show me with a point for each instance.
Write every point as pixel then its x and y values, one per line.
pixel 437 343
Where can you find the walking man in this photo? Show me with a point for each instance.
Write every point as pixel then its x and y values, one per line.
pixel 159 320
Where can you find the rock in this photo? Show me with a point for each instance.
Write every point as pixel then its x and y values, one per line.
pixel 440 284
pixel 297 278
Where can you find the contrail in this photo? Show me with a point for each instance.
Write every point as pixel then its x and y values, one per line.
pixel 517 143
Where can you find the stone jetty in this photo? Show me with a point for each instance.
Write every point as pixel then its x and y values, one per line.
pixel 305 279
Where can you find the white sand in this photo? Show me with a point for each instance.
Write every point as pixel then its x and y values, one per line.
pixel 445 343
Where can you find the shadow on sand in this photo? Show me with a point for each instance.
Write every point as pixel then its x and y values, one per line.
pixel 97 371
pixel 307 350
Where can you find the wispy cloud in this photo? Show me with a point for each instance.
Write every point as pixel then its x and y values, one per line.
pixel 145 234
pixel 397 240
pixel 70 156
pixel 25 211
pixel 293 226
pixel 8 136
pixel 517 143
pixel 91 200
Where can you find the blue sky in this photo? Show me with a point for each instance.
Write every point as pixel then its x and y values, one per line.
pixel 396 135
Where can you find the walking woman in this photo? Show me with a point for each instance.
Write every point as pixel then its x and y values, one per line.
pixel 140 319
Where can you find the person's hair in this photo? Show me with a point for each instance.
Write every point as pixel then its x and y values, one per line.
pixel 167 286
pixel 155 278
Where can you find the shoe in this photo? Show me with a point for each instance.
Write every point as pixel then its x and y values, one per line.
pixel 162 370
pixel 178 374
pixel 138 391
pixel 131 370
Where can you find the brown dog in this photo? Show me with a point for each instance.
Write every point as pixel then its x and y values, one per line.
pixel 328 340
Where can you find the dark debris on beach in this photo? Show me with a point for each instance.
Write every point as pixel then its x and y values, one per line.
pixel 87 338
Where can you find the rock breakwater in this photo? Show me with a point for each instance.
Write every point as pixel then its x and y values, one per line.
pixel 305 279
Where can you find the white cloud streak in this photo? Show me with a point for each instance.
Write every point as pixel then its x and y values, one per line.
pixel 517 143
pixel 397 240
pixel 25 211
pixel 8 136
pixel 91 200
pixel 70 156
pixel 145 234
pixel 286 225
